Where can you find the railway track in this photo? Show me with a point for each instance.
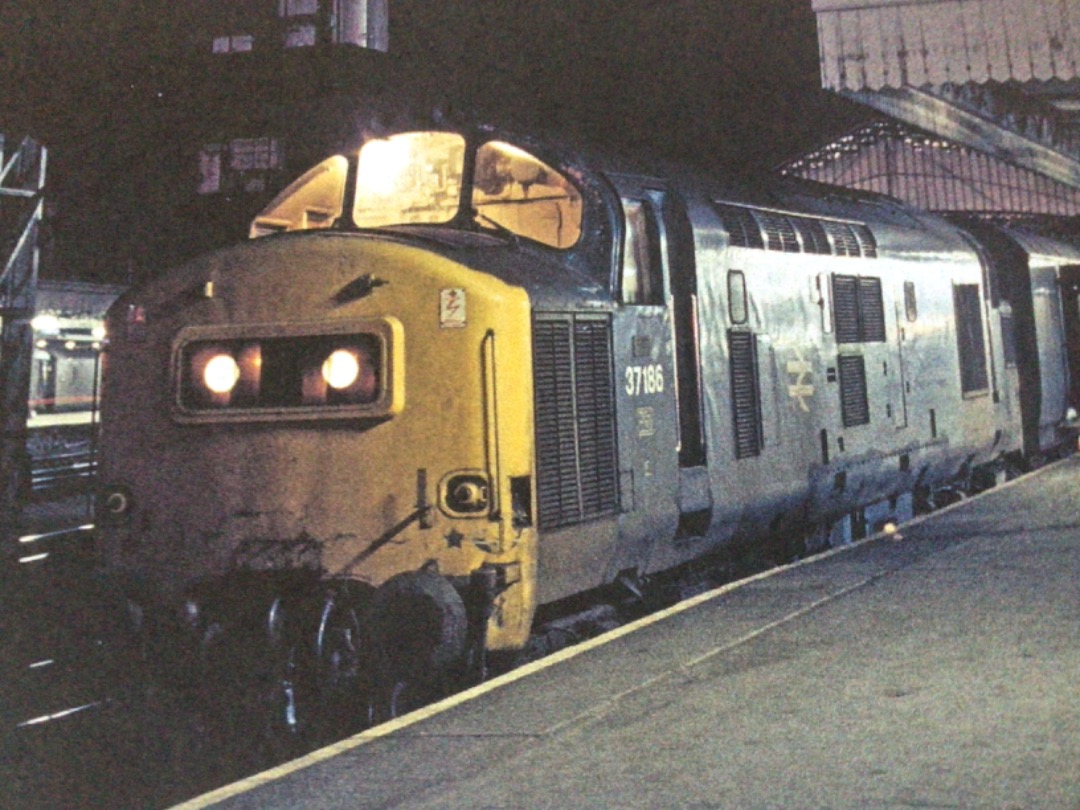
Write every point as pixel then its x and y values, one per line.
pixel 85 727
pixel 62 473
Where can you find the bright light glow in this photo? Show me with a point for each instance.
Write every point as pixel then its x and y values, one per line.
pixel 98 332
pixel 341 369
pixel 221 373
pixel 382 163
pixel 47 324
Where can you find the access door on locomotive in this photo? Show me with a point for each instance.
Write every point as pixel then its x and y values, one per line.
pixel 660 425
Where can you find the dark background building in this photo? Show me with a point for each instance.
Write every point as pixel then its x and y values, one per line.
pixel 170 124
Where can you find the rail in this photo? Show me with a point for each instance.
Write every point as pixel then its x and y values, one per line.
pixel 63 473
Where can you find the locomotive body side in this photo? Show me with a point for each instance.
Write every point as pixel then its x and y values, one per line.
pixel 1032 276
pixel 1048 305
pixel 556 377
pixel 830 375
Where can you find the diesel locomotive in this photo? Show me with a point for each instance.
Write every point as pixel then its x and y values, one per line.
pixel 459 374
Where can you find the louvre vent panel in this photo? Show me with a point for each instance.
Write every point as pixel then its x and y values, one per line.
pixel 595 417
pixel 854 405
pixel 814 238
pixel 779 232
pixel 846 308
pixel 555 443
pixel 844 241
pixel 871 310
pixel 741 226
pixel 858 309
pixel 790 233
pixel 575 421
pixel 867 243
pixel 745 395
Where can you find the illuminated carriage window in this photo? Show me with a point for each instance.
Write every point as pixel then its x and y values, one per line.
pixel 241 165
pixel 411 178
pixel 237 43
pixel 303 371
pixel 516 191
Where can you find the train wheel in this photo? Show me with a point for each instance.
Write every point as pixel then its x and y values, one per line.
pixel 419 627
pixel 313 679
pixel 342 666
pixel 278 698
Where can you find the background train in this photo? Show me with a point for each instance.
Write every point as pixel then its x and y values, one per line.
pixel 458 375
pixel 69 331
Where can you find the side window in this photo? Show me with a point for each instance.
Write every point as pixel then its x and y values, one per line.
pixel 518 192
pixel 641 278
pixel 736 288
pixel 911 305
pixel 969 338
pixel 1008 335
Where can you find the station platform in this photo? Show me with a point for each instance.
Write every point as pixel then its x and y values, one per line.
pixel 935 667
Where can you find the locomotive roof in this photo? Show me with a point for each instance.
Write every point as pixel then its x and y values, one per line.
pixel 1043 249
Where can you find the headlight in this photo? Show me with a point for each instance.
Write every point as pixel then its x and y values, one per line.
pixel 341 369
pixel 221 373
pixel 218 375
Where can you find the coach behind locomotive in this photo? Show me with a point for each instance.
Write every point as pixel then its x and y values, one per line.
pixel 459 375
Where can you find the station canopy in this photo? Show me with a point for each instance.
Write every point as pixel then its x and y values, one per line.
pixel 999 76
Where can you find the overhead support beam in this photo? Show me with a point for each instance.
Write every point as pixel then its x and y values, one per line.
pixel 998 76
pixel 875 44
pixel 933 114
pixel 22 204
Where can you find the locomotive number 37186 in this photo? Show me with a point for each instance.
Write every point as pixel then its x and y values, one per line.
pixel 644 380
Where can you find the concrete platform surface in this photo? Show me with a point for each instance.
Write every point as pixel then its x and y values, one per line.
pixel 936 669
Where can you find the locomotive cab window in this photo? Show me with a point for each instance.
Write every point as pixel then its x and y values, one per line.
pixel 516 191
pixel 315 200
pixel 641 279
pixel 410 178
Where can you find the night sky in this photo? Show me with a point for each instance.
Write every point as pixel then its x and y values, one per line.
pixel 724 84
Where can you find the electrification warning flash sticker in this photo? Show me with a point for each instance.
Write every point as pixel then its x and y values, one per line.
pixel 452 308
